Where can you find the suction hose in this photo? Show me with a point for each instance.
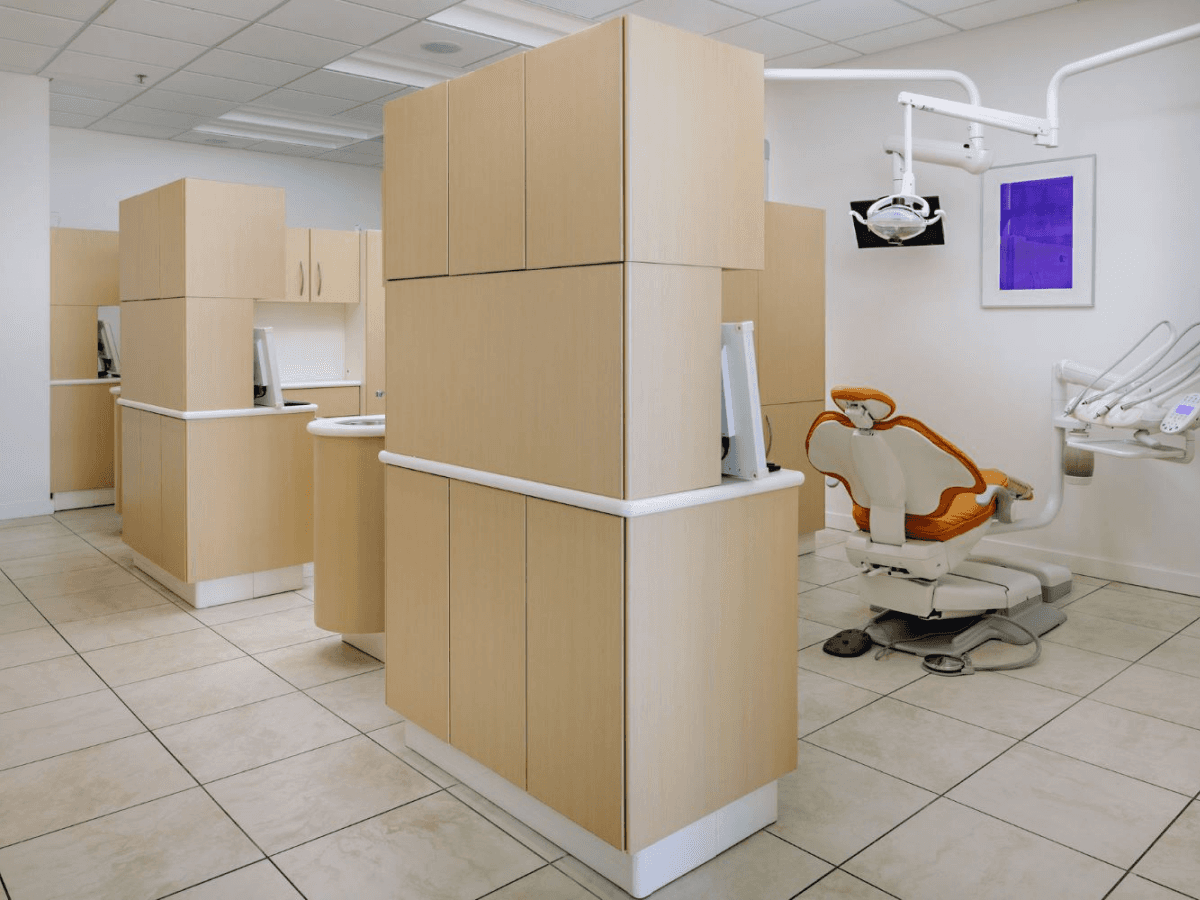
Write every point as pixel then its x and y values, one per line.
pixel 945 664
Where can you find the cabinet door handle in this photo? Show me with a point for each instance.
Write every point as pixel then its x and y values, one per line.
pixel 319 279
pixel 301 279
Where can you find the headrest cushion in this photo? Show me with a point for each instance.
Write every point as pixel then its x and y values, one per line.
pixel 878 404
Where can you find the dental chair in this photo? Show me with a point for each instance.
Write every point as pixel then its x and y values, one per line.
pixel 921 505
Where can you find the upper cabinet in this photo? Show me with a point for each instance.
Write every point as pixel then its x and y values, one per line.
pixel 628 142
pixel 84 267
pixel 195 238
pixel 321 266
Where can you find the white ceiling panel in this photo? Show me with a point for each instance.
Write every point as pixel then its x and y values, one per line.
pixel 833 20
pixel 33 28
pixel 241 67
pixel 367 114
pixel 214 140
pixel 248 10
pixel 70 120
pixel 900 36
pixel 301 102
pixel 289 46
pixel 104 68
pixel 95 90
pixel 285 149
pixel 763 7
pixel 168 21
pixel 416 9
pixel 348 87
pixel 999 11
pixel 825 55
pixel 589 9
pixel 185 103
pixel 474 47
pixel 148 115
pixel 345 156
pixel 81 105
pixel 768 38
pixel 129 45
pixel 137 129
pixel 937 7
pixel 213 86
pixel 499 56
pixel 700 16
pixel 338 20
pixel 79 10
pixel 17 56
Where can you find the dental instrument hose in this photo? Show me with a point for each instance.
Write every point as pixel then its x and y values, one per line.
pixel 964 665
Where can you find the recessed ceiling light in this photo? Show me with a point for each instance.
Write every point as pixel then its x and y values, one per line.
pixel 260 123
pixel 441 47
pixel 511 20
pixel 396 69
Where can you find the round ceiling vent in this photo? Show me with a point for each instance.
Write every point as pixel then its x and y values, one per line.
pixel 441 47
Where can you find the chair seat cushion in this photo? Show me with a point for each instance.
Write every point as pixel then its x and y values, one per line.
pixel 962 515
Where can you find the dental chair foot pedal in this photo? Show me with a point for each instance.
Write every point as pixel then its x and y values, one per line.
pixel 851 642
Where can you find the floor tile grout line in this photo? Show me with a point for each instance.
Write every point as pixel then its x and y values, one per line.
pixel 546 865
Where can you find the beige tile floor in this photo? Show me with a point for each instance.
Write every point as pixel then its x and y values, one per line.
pixel 149 750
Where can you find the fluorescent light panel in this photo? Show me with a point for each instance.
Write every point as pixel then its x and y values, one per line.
pixel 510 20
pixel 264 135
pixel 260 123
pixel 394 69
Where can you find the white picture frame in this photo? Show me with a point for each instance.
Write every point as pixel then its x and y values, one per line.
pixel 1030 214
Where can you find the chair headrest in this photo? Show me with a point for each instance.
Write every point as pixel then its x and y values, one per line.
pixel 876 404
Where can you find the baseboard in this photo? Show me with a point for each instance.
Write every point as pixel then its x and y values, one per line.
pixel 218 591
pixel 83 499
pixel 26 509
pixel 1078 563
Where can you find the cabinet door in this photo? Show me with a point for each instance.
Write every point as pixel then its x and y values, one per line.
pixel 72 342
pixel 785 427
pixel 85 267
pixel 417 598
pixel 576 682
pixel 297 280
pixel 575 148
pixel 333 264
pixel 487 169
pixel 131 476
pixel 487 627
pixel 791 346
pixel 81 437
pixel 139 245
pixel 415 199
pixel 375 364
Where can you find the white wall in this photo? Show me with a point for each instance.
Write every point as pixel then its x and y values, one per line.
pixel 24 297
pixel 908 321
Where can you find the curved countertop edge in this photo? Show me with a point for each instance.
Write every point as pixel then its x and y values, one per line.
pixel 217 413
pixel 312 385
pixel 335 427
pixel 60 382
pixel 728 489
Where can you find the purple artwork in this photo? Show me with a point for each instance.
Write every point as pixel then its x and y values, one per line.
pixel 1036 234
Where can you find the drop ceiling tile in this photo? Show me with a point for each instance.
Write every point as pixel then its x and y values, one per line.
pixel 17 56
pixel 588 9
pixel 512 51
pixel 285 149
pixel 213 86
pixel 228 64
pixel 367 114
pixel 999 11
pixel 94 90
pixel 247 10
pixel 344 156
pixel 768 38
pixel 763 7
pixel 70 120
pixel 338 20
pixel 700 16
pixel 149 116
pixel 214 140
pixel 301 102
pixel 169 21
pixel 79 10
pixel 141 48
pixel 289 46
pixel 416 9
pixel 348 87
pixel 137 129
pixel 34 28
pixel 900 36
pixel 104 68
pixel 474 47
pixel 833 20
pixel 825 55
pixel 937 7
pixel 81 106
pixel 185 103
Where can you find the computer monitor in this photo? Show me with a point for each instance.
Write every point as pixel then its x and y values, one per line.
pixel 743 448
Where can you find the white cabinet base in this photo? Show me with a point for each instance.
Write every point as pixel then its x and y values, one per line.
pixel 216 591
pixel 83 499
pixel 639 873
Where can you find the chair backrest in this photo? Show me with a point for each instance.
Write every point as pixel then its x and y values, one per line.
pixel 893 467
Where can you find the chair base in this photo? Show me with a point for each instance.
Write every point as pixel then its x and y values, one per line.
pixel 954 637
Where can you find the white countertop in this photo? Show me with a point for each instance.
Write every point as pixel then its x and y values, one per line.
pixel 59 382
pixel 347 427
pixel 309 385
pixel 728 489
pixel 218 413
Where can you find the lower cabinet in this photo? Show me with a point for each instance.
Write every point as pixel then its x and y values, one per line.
pixel 785 428
pixel 81 437
pixel 589 658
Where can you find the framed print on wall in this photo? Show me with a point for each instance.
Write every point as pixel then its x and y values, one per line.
pixel 1038 233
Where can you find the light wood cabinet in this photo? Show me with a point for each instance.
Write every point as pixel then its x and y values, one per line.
pixel 188 353
pixel 330 401
pixel 630 141
pixel 81 437
pixel 785 426
pixel 72 342
pixel 85 267
pixel 321 266
pixel 487 169
pixel 195 238
pixel 416 204
pixel 375 349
